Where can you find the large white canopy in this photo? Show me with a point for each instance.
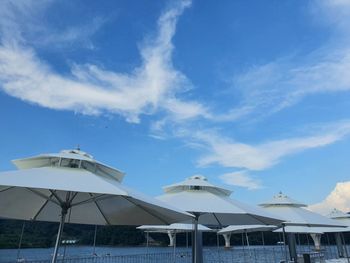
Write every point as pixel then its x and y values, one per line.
pixel 246 229
pixel 71 159
pixel 340 216
pixel 312 230
pixel 213 204
pixel 293 212
pixel 176 227
pixel 72 187
pixel 39 193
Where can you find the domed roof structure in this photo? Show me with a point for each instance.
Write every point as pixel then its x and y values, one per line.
pixel 71 159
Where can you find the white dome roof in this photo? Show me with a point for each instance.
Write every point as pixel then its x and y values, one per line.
pixel 282 200
pixel 337 214
pixel 197 182
pixel 71 159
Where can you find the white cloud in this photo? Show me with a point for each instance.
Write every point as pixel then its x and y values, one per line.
pixel 339 198
pixel 280 84
pixel 89 89
pixel 76 35
pixel 241 179
pixel 335 12
pixel 228 153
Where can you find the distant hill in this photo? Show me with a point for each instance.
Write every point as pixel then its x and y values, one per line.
pixel 43 234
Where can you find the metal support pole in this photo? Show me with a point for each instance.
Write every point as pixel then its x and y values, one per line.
pixel 262 238
pixel 246 237
pixel 95 235
pixel 186 239
pixel 197 249
pixel 339 245
pixel 292 247
pixel 59 234
pixel 217 240
pixel 344 245
pixel 263 243
pixel 174 246
pixel 284 242
pixel 195 240
pixel 242 236
pixel 308 242
pixel 248 245
pixel 20 241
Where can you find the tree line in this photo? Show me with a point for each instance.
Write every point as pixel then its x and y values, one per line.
pixel 43 234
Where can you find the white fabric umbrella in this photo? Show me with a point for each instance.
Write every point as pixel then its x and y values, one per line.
pixel 294 213
pixel 173 229
pixel 302 230
pixel 177 227
pixel 70 187
pixel 246 229
pixel 340 216
pixel 313 230
pixel 212 205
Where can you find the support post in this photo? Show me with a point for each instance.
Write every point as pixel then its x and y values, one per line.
pixel 317 240
pixel 284 243
pixel 339 245
pixel 59 234
pixel 227 238
pixel 197 249
pixel 186 239
pixel 20 241
pixel 292 247
pixel 345 248
pixel 171 236
pixel 174 245
pixel 95 235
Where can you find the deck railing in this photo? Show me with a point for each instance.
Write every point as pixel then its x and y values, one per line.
pixel 253 254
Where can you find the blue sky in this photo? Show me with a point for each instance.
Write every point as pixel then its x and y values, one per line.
pixel 254 95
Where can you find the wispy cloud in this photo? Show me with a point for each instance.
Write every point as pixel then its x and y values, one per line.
pixel 241 179
pixel 90 89
pixel 281 83
pixel 76 35
pixel 228 153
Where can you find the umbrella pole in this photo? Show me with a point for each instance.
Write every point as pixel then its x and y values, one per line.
pixel 59 234
pixel 242 236
pixel 248 245
pixel 284 242
pixel 186 239
pixel 218 244
pixel 346 250
pixel 174 247
pixel 20 241
pixel 246 237
pixel 195 241
pixel 263 243
pixel 95 234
